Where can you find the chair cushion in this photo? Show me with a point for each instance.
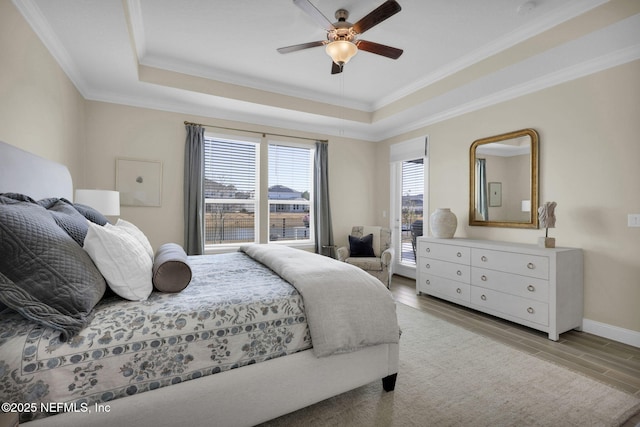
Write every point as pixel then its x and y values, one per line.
pixel 361 246
pixel 377 243
pixel 366 263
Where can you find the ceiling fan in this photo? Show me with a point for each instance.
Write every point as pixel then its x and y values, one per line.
pixel 342 36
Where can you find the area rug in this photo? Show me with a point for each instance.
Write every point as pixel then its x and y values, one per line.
pixel 449 376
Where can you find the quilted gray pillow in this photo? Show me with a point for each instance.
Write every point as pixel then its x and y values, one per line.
pixel 91 214
pixel 44 274
pixel 67 218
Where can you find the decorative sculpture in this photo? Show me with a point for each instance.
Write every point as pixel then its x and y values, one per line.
pixel 547 219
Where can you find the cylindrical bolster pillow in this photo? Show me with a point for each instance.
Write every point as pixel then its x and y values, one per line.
pixel 171 270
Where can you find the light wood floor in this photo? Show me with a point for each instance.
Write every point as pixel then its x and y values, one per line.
pixel 607 361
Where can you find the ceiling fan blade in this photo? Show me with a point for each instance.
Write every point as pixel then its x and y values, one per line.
pixel 382 12
pixel 315 14
pixel 335 68
pixel 296 47
pixel 379 49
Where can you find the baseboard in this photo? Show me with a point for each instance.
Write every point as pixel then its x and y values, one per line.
pixel 616 333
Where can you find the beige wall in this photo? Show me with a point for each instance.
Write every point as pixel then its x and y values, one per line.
pixel 40 109
pixel 589 156
pixel 118 131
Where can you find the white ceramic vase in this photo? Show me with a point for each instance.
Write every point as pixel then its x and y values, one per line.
pixel 443 223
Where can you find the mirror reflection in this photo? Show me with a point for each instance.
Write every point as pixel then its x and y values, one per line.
pixel 504 180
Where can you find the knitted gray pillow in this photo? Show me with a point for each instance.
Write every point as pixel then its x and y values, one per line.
pixel 44 274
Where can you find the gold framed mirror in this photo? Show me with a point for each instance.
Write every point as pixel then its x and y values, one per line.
pixel 503 180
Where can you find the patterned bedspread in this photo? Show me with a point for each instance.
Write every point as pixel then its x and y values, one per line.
pixel 235 312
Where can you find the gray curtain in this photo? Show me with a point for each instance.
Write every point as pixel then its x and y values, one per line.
pixel 193 190
pixel 482 203
pixel 321 208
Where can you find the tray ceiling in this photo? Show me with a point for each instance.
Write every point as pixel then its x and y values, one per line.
pixel 218 58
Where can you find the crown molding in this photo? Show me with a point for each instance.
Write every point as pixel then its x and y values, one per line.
pixel 216 75
pixel 376 133
pixel 610 60
pixel 136 27
pixel 32 14
pixel 133 9
pixel 508 40
pixel 444 107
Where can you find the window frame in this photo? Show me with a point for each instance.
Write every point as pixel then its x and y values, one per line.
pixel 310 203
pixel 255 203
pixel 261 203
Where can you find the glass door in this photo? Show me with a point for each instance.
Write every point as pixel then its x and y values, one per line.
pixel 412 207
pixel 407 209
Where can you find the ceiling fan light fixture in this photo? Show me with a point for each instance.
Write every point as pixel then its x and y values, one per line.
pixel 341 51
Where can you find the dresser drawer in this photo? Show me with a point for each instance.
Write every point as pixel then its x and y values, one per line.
pixel 448 270
pixel 451 253
pixel 444 288
pixel 511 262
pixel 514 284
pixel 526 309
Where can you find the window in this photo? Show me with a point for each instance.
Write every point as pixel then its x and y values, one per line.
pixel 230 188
pixel 233 192
pixel 290 192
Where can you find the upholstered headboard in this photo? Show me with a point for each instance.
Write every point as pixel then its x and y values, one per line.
pixel 25 173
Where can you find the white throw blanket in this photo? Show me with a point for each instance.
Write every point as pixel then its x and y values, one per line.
pixel 346 308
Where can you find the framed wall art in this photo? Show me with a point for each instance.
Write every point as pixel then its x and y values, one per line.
pixel 495 194
pixel 139 182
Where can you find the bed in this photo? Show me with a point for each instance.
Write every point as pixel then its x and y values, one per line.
pixel 174 354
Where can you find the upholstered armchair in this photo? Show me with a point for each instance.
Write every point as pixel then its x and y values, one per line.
pixel 370 249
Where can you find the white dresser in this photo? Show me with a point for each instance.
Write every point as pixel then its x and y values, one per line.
pixel 536 287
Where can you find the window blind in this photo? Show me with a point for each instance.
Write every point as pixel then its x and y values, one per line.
pixel 290 187
pixel 413 177
pixel 230 169
pixel 289 169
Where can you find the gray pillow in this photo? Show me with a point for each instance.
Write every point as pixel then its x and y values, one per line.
pixel 91 214
pixel 171 269
pixel 44 274
pixel 67 218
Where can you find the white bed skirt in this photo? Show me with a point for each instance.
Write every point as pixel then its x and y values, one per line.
pixel 243 397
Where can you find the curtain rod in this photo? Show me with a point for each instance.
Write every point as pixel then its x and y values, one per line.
pixel 264 134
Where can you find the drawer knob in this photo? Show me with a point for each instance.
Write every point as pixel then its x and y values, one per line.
pixel 459 273
pixel 459 255
pixel 483 258
pixel 427 266
pixel 483 297
pixel 484 278
pixel 428 250
pixel 459 290
pixel 531 288
pixel 530 310
pixel 428 282
pixel 531 266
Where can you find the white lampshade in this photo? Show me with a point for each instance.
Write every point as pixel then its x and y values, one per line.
pixel 107 202
pixel 341 51
pixel 526 206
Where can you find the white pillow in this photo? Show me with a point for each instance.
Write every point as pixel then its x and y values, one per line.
pixel 137 233
pixel 122 260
